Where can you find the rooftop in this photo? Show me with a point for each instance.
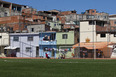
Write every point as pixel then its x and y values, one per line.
pixel 91 45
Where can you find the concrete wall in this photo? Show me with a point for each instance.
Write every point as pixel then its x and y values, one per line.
pixel 9 9
pixel 109 38
pixel 103 39
pixel 69 40
pixel 54 25
pixel 87 32
pixel 37 28
pixel 112 38
pixel 12 22
pixel 112 21
pixel 72 17
pixel 4 40
pixel 23 43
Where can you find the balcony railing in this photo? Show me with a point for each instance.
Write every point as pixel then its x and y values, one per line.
pixel 51 42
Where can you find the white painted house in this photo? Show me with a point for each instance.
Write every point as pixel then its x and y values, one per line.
pixel 23 45
pixel 4 41
pixel 87 31
pixel 96 31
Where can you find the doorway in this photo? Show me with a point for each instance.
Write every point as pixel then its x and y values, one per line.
pixel 37 51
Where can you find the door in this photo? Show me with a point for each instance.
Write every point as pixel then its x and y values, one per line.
pixel 37 51
pixel 53 53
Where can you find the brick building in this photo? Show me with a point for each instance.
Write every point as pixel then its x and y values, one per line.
pixel 112 19
pixel 92 14
pixel 10 9
pixel 13 24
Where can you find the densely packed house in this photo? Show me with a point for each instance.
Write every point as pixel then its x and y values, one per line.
pixel 26 32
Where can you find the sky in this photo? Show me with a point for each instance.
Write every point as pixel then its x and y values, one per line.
pixel 108 6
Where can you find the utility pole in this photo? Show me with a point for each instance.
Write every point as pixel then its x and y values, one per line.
pixel 94 47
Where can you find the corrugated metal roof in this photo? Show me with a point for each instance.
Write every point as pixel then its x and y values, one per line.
pixel 96 45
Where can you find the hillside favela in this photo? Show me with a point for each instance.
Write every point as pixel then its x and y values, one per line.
pixel 57 38
pixel 27 32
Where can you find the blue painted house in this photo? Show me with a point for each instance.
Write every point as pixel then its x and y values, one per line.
pixel 47 44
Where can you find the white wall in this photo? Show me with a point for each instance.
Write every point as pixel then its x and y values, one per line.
pixel 37 28
pixel 108 38
pixel 87 31
pixel 102 39
pixel 23 43
pixel 4 41
pixel 112 38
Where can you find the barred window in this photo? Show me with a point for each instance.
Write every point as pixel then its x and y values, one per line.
pixel 28 49
pixel 103 35
pixel 64 36
pixel 30 38
pixel 16 38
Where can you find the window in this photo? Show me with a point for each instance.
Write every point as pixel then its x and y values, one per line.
pixel 54 24
pixel 66 30
pixel 87 11
pixel 90 16
pixel 14 8
pixel 45 48
pixel 57 19
pixel 28 49
pixel 44 17
pixel 91 23
pixel 103 35
pixel 49 24
pixel 35 20
pixel 18 50
pixel 115 22
pixel 25 26
pixel 30 38
pixel 93 11
pixel 80 17
pixel 52 36
pixel 5 14
pixel 46 38
pixel 18 8
pixel 53 53
pixel 32 29
pixel 64 36
pixel 105 17
pixel 16 38
pixel 0 37
pixel 6 5
pixel 114 35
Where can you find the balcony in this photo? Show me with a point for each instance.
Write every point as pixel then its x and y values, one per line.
pixel 51 42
